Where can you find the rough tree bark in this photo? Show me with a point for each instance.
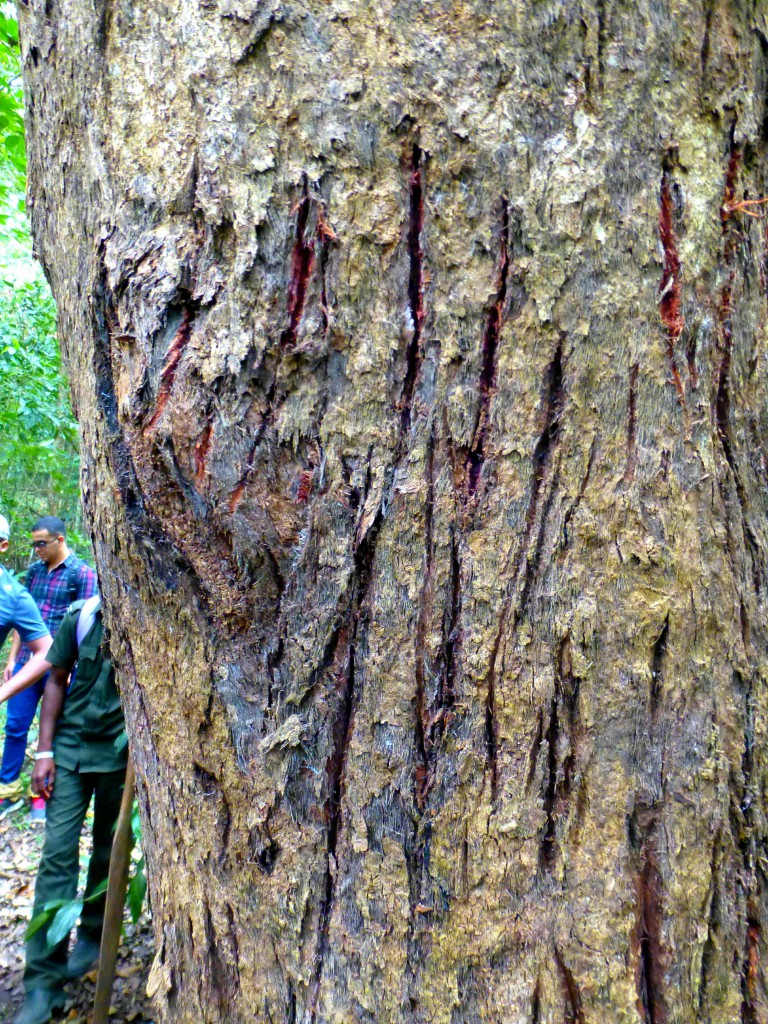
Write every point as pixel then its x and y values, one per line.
pixel 419 348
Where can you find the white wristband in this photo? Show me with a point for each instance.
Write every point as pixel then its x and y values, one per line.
pixel 42 754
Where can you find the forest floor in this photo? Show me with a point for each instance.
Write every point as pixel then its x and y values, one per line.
pixel 20 845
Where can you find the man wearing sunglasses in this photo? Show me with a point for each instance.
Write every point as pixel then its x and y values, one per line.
pixel 55 581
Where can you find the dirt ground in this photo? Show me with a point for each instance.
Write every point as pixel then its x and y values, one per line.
pixel 20 845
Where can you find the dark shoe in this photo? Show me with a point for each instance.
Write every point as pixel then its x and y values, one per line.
pixel 83 958
pixel 37 811
pixel 8 804
pixel 39 1006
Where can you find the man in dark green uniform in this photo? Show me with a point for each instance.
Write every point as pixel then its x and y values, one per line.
pixel 79 755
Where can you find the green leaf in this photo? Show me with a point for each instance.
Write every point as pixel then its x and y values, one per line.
pixel 40 920
pixel 64 922
pixel 137 890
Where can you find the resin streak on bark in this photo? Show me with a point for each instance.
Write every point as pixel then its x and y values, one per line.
pixel 168 375
pixel 670 306
pixel 413 354
pixel 489 356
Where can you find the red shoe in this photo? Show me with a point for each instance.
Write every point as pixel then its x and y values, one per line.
pixel 37 811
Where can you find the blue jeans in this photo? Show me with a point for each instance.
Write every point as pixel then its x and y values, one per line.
pixel 21 711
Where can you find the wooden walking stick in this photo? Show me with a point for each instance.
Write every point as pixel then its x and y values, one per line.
pixel 113 910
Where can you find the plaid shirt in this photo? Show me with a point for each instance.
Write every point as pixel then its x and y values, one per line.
pixel 51 593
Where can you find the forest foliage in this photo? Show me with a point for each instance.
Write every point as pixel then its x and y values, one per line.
pixel 39 462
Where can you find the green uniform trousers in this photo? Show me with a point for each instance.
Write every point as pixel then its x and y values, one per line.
pixel 58 873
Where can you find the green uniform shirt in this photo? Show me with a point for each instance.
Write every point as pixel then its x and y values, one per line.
pixel 92 718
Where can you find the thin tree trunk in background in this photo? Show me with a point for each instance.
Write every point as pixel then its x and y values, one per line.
pixel 419 350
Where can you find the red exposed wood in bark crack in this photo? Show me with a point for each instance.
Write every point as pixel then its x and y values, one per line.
pixel 574 1014
pixel 488 363
pixel 302 263
pixel 649 971
pixel 541 460
pixel 669 287
pixel 415 288
pixel 168 374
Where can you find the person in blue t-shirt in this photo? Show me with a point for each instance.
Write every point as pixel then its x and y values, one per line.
pixel 18 611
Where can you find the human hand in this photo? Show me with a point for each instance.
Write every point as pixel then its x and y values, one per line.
pixel 8 671
pixel 43 775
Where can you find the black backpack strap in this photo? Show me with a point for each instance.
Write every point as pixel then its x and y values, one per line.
pixel 72 572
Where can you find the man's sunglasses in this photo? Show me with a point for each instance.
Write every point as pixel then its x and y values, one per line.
pixel 43 543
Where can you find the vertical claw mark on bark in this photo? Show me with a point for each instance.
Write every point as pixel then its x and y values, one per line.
pixel 563 711
pixel 302 263
pixel 574 1013
pixel 335 779
pixel 450 630
pixel 690 357
pixel 649 971
pixel 541 460
pixel 657 659
pixel 669 287
pixel 422 773
pixel 582 491
pixel 489 357
pixel 714 919
pixel 725 338
pixel 749 973
pixel 629 469
pixel 302 267
pixel 601 31
pixel 200 456
pixel 415 288
pixel 705 42
pixel 172 359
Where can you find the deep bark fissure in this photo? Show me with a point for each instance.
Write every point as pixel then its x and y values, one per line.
pixel 670 304
pixel 413 355
pixel 541 461
pixel 489 357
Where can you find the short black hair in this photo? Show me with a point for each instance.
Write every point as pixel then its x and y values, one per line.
pixel 52 524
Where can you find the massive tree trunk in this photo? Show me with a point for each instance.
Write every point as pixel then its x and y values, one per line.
pixel 419 349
